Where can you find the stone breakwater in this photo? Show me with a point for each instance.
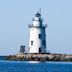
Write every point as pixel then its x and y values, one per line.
pixel 40 57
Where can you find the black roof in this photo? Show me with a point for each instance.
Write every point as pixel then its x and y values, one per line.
pixel 38 14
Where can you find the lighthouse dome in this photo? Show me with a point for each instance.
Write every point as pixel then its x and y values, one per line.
pixel 38 14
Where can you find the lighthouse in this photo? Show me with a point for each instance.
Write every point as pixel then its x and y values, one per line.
pixel 37 38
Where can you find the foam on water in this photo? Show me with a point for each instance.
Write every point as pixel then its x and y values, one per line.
pixel 34 62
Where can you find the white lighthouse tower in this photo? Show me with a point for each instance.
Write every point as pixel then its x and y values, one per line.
pixel 37 41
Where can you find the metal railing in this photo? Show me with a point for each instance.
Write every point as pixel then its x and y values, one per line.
pixel 31 25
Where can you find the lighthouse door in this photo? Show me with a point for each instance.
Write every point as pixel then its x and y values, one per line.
pixel 39 50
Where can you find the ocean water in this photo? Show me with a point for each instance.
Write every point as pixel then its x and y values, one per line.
pixel 21 66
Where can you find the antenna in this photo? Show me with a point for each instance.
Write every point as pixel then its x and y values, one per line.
pixel 40 10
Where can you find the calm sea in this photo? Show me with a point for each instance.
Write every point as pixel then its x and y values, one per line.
pixel 18 66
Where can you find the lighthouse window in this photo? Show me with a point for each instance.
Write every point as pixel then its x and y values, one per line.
pixel 39 36
pixel 31 42
pixel 44 43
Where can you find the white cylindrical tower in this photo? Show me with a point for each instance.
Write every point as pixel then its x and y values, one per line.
pixel 37 41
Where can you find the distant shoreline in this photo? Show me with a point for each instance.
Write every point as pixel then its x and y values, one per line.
pixel 38 57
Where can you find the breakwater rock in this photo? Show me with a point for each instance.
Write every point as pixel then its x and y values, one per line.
pixel 40 57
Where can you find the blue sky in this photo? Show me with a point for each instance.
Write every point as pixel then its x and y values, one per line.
pixel 15 15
